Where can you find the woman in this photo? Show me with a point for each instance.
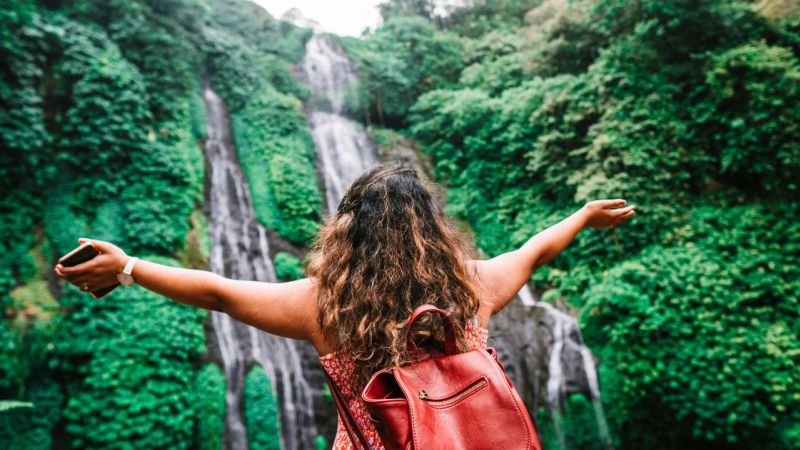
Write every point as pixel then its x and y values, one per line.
pixel 387 249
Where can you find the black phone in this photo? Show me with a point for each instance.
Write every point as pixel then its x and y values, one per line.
pixel 81 254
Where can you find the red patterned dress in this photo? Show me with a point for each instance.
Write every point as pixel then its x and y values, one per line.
pixel 340 366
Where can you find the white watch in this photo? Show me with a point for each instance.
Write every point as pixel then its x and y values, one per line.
pixel 125 278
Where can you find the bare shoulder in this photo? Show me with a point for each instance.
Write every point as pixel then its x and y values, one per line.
pixel 499 279
pixel 485 294
pixel 311 304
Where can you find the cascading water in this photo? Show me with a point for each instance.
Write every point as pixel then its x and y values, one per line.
pixel 240 250
pixel 566 343
pixel 343 149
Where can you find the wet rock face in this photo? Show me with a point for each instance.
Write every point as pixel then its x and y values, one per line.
pixel 525 337
pixel 523 341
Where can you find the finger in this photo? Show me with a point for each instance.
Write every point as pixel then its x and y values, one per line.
pixel 97 279
pixel 100 246
pixel 622 211
pixel 80 269
pixel 625 217
pixel 77 280
pixel 79 284
pixel 615 203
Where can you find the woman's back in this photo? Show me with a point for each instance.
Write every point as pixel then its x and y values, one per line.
pixel 341 368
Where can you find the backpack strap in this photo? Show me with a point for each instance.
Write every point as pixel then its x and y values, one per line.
pixel 449 337
pixel 353 432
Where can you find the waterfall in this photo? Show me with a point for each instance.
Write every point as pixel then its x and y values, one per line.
pixel 567 338
pixel 343 149
pixel 240 250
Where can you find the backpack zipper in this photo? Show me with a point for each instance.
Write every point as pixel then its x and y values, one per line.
pixel 447 401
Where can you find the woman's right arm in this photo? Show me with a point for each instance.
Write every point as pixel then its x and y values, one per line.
pixel 285 309
pixel 188 286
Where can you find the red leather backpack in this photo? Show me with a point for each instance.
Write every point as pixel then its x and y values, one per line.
pixel 449 401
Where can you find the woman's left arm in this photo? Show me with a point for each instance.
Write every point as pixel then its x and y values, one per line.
pixel 501 277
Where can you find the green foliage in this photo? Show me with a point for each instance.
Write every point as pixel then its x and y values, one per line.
pixel 210 389
pixel 576 425
pixel 260 30
pixel 47 400
pixel 8 368
pixel 229 60
pixel 277 155
pixel 104 127
pixel 669 105
pixel 139 377
pixel 705 333
pixel 17 431
pixel 31 320
pixel 261 412
pixel 752 116
pixel 320 443
pixel 288 267
pixel 24 141
pixel 249 55
pixel 562 38
pixel 404 58
pixel 101 112
pixel 247 49
pixel 493 62
pixel 197 251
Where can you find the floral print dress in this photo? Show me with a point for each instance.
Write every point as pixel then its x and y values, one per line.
pixel 340 367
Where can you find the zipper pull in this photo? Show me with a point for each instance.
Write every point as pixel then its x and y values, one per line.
pixel 423 395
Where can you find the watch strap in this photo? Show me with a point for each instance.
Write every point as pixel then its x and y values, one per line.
pixel 129 266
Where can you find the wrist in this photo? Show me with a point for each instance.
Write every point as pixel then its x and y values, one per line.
pixel 582 216
pixel 119 266
pixel 125 277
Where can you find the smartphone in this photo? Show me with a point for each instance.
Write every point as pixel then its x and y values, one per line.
pixel 81 254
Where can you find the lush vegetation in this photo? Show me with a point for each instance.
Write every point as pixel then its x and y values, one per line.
pixel 526 108
pixel 261 412
pixel 688 109
pixel 101 126
pixel 210 389
pixel 288 267
pixel 277 154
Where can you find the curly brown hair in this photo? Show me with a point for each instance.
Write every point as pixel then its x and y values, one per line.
pixel 388 249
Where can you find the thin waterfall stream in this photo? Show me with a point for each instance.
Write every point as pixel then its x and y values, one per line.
pixel 567 341
pixel 343 149
pixel 240 250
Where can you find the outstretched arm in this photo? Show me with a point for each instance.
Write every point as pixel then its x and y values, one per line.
pixel 284 309
pixel 503 276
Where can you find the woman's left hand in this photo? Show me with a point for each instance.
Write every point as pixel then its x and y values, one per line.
pixel 607 213
pixel 100 271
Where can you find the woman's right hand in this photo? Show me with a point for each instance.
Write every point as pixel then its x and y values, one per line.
pixel 98 272
pixel 607 213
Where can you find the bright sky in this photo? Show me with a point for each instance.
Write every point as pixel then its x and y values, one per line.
pixel 348 17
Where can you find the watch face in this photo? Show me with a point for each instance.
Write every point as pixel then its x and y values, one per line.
pixel 125 279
